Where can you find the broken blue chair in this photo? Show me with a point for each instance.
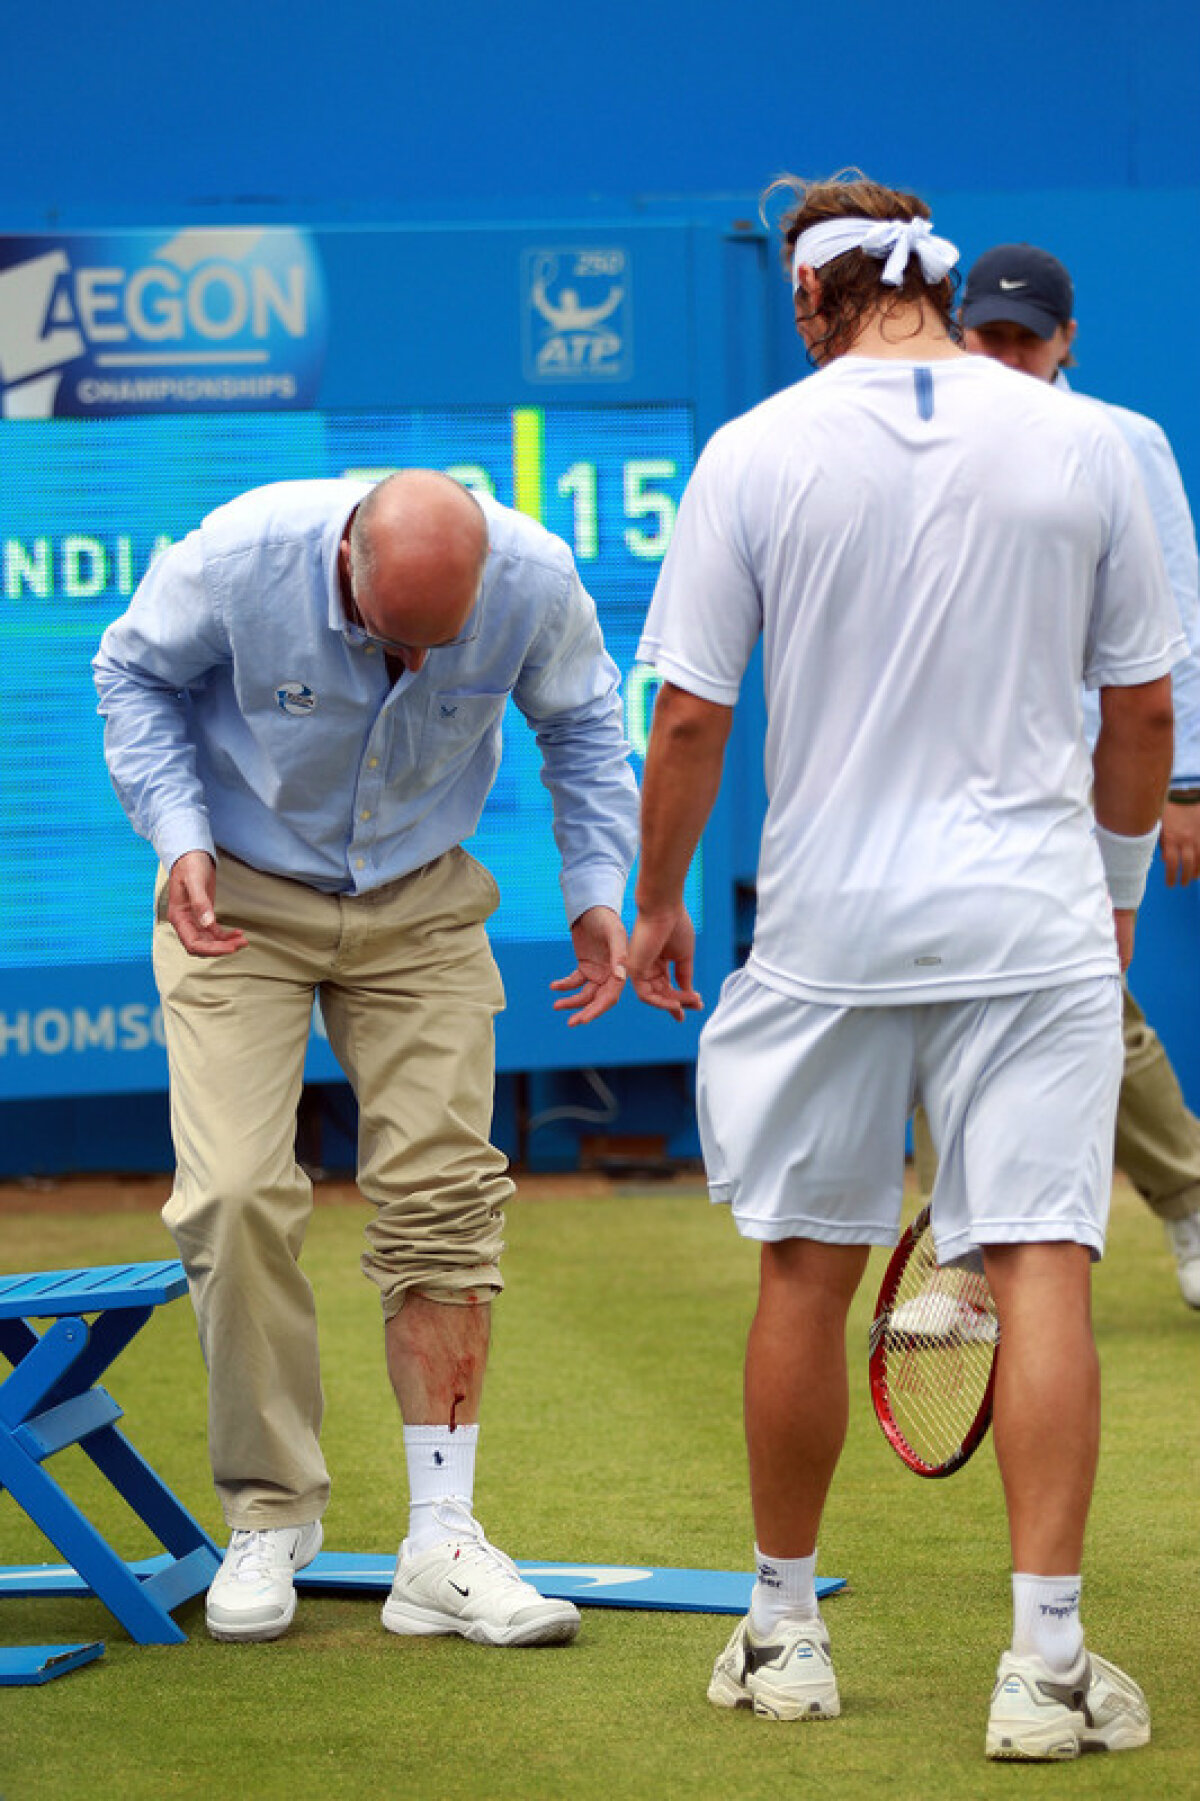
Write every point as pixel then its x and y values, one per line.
pixel 52 1398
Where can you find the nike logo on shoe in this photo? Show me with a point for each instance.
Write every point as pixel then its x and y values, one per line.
pixel 459 1590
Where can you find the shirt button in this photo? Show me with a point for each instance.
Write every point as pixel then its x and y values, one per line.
pixel 370 649
pixel 372 762
pixel 360 862
pixel 365 814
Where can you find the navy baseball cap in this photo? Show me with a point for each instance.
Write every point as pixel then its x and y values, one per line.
pixel 1021 284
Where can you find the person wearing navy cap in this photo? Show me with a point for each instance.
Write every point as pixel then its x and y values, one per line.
pixel 1018 307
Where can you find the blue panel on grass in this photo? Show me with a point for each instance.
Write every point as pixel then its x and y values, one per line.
pixel 25 1666
pixel 587 1584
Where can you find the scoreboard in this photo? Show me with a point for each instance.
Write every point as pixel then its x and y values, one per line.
pixel 147 377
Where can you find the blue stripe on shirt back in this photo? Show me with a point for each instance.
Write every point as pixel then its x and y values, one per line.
pixel 923 384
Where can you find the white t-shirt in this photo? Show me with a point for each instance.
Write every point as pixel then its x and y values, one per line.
pixel 936 555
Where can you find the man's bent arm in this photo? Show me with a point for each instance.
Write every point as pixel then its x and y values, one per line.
pixel 684 760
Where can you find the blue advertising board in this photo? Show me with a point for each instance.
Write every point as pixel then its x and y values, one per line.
pixel 147 377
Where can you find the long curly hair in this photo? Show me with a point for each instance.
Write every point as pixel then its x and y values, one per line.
pixel 851 285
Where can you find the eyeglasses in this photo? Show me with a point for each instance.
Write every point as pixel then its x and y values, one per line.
pixel 359 632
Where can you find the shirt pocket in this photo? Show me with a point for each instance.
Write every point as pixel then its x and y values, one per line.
pixel 460 727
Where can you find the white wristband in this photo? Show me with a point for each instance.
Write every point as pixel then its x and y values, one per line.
pixel 1126 865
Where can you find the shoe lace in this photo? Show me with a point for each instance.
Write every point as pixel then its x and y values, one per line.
pixel 250 1558
pixel 475 1547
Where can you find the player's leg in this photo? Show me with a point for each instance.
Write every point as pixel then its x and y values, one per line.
pixel 1158 1144
pixel 779 1660
pixel 236 1030
pixel 410 1013
pixel 1046 1408
pixel 1026 1114
pixel 1052 1699
pixel 802 1114
pixel 797 1397
pixel 1022 1094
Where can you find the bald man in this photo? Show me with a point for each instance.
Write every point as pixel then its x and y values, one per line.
pixel 302 714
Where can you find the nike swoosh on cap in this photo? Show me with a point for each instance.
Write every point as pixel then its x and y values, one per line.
pixel 1009 285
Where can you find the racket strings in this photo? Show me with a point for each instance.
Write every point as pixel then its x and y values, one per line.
pixel 939 1339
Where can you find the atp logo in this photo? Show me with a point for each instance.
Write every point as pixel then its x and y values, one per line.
pixel 578 314
pixel 206 320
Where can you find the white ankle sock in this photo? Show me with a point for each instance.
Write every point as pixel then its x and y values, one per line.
pixel 441 1471
pixel 785 1590
pixel 1046 1621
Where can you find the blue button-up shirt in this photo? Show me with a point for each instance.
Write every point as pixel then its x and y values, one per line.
pixel 243 710
pixel 1177 536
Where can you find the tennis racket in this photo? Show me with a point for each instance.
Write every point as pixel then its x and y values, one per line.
pixel 933 1356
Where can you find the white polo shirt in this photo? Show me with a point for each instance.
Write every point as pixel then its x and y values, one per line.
pixel 935 555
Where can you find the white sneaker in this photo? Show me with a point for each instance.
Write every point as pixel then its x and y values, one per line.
pixel 1183 1236
pixel 252 1595
pixel 788 1675
pixel 935 1317
pixel 464 1585
pixel 1040 1715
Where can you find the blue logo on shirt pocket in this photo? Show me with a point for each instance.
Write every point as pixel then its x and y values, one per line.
pixel 456 722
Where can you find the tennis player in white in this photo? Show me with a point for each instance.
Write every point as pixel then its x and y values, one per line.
pixel 936 553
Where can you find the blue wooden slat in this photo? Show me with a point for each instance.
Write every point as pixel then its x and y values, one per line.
pixel 181 1578
pixel 24 1666
pixel 66 1424
pixel 53 1292
pixel 40 1369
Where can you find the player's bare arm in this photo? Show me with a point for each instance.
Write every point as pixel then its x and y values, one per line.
pixel 598 979
pixel 191 908
pixel 684 761
pixel 1132 766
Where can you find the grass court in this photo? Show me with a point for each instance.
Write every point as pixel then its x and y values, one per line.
pixel 611 1433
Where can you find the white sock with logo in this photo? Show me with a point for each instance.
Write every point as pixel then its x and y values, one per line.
pixel 441 1473
pixel 785 1589
pixel 1046 1621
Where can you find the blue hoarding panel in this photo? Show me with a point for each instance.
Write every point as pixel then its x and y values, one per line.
pixel 146 378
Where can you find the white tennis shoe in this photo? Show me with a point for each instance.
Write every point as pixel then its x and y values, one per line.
pixel 1183 1236
pixel 935 1317
pixel 1040 1715
pixel 787 1675
pixel 464 1585
pixel 253 1594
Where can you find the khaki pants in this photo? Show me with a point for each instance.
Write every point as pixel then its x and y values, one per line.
pixel 1158 1137
pixel 409 991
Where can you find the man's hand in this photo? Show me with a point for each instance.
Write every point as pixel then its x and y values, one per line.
pixel 598 978
pixel 191 908
pixel 1180 844
pixel 662 942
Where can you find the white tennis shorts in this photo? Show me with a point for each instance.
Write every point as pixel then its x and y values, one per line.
pixel 802 1112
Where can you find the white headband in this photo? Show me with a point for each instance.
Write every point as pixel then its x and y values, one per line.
pixel 893 239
